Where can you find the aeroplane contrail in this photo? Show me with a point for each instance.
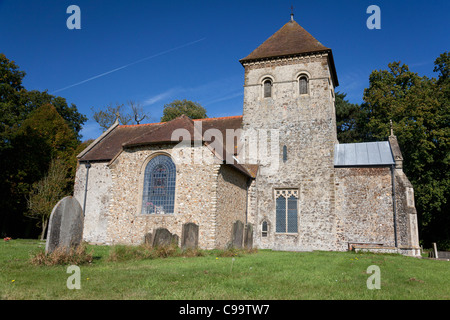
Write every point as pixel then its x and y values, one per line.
pixel 127 65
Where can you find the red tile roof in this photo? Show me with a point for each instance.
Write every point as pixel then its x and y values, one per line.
pixel 126 136
pixel 290 40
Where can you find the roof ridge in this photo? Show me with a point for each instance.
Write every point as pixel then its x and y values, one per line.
pixel 154 123
pixel 138 125
pixel 217 118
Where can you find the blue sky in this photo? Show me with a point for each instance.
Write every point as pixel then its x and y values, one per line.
pixel 154 52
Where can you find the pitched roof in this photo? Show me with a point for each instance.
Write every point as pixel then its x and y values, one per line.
pixel 290 40
pixel 112 142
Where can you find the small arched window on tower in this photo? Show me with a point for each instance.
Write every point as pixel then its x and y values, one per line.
pixel 267 83
pixel 284 153
pixel 303 84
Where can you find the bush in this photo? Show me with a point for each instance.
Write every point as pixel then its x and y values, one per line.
pixel 75 256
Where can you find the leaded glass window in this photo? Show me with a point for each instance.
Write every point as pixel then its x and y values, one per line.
pixel 286 211
pixel 264 229
pixel 267 88
pixel 159 186
pixel 303 85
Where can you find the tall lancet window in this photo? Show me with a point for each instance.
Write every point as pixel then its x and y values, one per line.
pixel 303 85
pixel 267 88
pixel 159 186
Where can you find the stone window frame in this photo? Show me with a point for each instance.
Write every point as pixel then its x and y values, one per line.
pixel 141 185
pixel 298 76
pixel 287 193
pixel 263 79
pixel 264 233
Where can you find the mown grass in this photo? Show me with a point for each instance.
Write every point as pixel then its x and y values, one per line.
pixel 119 272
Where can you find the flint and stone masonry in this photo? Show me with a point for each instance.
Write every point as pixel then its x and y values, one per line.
pixel 333 206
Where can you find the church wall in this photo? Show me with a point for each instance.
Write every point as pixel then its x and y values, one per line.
pixel 231 203
pixel 305 125
pixel 364 207
pixel 407 225
pixel 195 197
pixel 97 200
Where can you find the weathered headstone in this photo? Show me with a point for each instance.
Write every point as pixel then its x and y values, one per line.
pixel 189 236
pixel 148 238
pixel 248 236
pixel 65 227
pixel 163 237
pixel 237 234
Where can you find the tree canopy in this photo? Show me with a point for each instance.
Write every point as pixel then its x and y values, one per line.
pixel 179 107
pixel 419 109
pixel 35 128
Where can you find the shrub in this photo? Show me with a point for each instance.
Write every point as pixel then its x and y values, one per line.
pixel 61 256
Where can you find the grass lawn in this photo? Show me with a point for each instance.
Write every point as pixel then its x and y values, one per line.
pixel 264 275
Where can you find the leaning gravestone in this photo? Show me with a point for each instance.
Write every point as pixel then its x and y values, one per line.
pixel 237 234
pixel 189 236
pixel 65 227
pixel 162 237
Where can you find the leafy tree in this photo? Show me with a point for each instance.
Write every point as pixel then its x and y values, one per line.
pixel 43 136
pixel 46 193
pixel 34 128
pixel 179 107
pixel 419 109
pixel 350 119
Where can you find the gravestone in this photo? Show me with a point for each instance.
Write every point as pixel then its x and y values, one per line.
pixel 163 237
pixel 189 236
pixel 65 226
pixel 248 237
pixel 237 234
pixel 148 238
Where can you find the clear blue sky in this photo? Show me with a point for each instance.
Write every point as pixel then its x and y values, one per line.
pixel 154 52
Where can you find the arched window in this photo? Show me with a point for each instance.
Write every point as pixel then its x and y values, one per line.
pixel 264 229
pixel 303 84
pixel 159 186
pixel 267 88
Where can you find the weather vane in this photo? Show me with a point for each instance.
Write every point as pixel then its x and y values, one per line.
pixel 292 13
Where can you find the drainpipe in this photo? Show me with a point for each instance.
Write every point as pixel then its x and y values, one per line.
pixel 249 181
pixel 88 165
pixel 394 207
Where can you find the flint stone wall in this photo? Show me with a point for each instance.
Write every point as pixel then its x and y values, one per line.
pixel 306 125
pixel 97 201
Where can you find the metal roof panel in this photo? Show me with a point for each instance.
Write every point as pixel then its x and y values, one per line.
pixel 363 154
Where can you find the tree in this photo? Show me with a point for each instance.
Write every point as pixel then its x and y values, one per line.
pixel 419 109
pixel 29 138
pixel 179 107
pixel 350 119
pixel 137 111
pixel 46 193
pixel 107 116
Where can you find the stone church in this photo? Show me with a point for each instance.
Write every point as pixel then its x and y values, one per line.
pixel 278 168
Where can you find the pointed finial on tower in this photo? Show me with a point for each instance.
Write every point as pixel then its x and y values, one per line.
pixel 292 13
pixel 392 128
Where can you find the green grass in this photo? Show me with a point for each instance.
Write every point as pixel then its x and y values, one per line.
pixel 262 275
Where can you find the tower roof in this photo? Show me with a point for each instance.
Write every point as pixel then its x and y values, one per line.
pixel 290 40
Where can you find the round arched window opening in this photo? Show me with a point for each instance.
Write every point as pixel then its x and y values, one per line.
pixel 303 84
pixel 267 83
